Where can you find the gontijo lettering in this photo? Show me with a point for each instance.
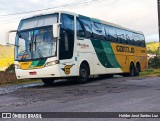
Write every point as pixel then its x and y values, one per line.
pixel 125 49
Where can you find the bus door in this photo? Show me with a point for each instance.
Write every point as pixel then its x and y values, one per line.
pixel 68 63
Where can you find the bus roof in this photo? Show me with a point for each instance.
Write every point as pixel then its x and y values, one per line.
pixel 94 19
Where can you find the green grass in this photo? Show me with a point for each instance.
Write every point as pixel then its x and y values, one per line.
pixel 150 72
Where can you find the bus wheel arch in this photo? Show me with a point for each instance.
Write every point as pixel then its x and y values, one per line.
pixel 84 72
pixel 87 64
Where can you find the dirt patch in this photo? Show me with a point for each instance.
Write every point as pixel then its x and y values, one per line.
pixel 6 77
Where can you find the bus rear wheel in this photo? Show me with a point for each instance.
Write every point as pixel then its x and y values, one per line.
pixel 83 74
pixel 132 70
pixel 137 70
pixel 48 81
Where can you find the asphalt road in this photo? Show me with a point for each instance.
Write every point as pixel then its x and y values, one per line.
pixel 118 94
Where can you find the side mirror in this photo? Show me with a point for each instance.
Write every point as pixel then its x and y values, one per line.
pixel 7 37
pixel 56 30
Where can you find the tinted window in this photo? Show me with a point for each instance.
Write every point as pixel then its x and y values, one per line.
pixel 136 39
pixel 111 33
pixel 98 31
pixel 142 40
pixel 84 28
pixel 80 29
pixel 139 42
pixel 66 37
pixel 131 36
pixel 121 36
pixel 67 22
pixel 128 37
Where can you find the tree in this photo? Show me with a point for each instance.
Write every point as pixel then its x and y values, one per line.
pixel 154 62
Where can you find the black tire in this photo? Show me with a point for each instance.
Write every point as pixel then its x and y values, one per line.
pixel 48 81
pixel 137 70
pixel 132 70
pixel 83 74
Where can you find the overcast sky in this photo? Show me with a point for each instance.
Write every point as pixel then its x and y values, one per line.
pixel 140 15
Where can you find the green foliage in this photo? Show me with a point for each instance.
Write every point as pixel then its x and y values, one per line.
pixel 150 72
pixel 6 56
pixel 152 47
pixel 154 62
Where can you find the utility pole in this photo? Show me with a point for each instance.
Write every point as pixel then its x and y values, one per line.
pixel 158 3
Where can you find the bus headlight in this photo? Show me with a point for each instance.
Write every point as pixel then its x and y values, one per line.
pixel 17 66
pixel 51 63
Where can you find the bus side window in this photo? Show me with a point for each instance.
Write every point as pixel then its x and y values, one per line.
pixel 80 28
pixel 86 26
pixel 139 42
pixel 143 41
pixel 132 38
pixel 103 32
pixel 121 36
pixel 112 34
pixel 98 31
pixel 136 39
pixel 124 37
pixel 107 36
pixel 127 37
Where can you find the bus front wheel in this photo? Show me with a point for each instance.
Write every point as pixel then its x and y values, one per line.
pixel 83 74
pixel 48 81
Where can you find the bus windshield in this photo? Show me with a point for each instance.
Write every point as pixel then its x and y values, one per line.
pixel 35 43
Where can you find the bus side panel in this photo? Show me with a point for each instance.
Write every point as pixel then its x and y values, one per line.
pixel 84 51
pixel 125 54
pixel 112 57
pixel 122 57
pixel 143 60
pixel 105 54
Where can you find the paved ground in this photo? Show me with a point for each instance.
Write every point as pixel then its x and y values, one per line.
pixel 116 94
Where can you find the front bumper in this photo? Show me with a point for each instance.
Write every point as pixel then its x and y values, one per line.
pixel 45 72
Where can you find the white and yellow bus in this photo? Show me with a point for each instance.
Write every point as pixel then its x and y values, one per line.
pixel 64 44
